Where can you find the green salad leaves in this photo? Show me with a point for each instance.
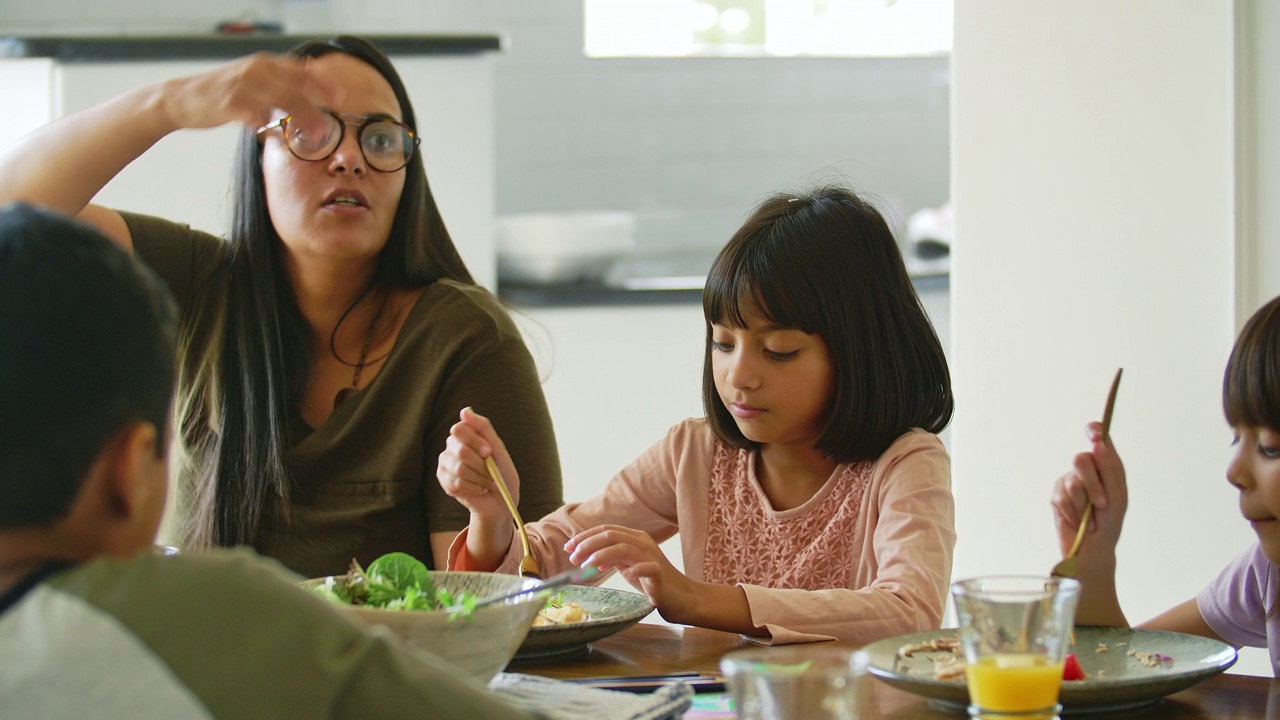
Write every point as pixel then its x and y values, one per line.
pixel 395 581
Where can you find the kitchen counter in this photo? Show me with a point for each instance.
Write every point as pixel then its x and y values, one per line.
pixel 647 291
pixel 132 48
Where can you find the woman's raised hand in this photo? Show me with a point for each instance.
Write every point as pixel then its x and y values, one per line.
pixel 62 165
pixel 247 91
pixel 1099 477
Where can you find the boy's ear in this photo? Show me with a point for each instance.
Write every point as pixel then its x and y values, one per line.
pixel 118 509
pixel 135 470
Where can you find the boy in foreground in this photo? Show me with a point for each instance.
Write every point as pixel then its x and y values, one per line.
pixel 93 623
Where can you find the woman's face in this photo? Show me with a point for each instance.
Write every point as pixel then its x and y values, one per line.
pixel 337 208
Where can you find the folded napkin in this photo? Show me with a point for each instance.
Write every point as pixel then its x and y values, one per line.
pixel 556 700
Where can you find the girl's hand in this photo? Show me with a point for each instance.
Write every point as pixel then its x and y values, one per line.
pixel 248 91
pixel 639 560
pixel 1099 477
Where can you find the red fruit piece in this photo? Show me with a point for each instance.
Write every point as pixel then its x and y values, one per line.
pixel 1071 669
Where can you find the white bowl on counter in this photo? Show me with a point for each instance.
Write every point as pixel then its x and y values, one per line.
pixel 550 248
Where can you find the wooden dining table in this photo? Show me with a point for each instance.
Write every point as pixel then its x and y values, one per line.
pixel 650 649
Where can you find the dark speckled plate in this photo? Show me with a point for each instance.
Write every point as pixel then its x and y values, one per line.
pixel 1115 680
pixel 611 611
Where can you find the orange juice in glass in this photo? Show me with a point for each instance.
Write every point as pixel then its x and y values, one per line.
pixel 1014 631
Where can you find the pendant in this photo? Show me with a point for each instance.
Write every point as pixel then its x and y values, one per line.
pixel 342 396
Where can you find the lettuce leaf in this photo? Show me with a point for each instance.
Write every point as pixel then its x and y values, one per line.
pixel 395 581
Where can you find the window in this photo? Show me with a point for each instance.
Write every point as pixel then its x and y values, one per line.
pixel 763 28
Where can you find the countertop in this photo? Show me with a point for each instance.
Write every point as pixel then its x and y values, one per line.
pixel 214 46
pixel 679 292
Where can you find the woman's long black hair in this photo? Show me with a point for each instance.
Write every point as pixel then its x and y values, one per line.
pixel 236 399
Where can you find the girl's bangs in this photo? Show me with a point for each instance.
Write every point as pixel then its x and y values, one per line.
pixel 729 295
pixel 752 282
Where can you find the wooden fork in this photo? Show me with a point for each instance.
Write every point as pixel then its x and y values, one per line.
pixel 528 563
pixel 1067 568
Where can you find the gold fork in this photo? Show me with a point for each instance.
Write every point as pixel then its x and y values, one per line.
pixel 528 563
pixel 1067 568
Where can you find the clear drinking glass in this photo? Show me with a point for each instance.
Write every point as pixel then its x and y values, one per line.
pixel 1015 630
pixel 797 682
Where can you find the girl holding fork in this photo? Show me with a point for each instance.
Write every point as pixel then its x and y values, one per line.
pixel 813 500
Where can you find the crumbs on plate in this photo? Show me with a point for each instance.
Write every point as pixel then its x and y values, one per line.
pixel 943 643
pixel 1151 659
pixel 944 651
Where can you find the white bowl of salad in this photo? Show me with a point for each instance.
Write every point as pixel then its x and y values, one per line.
pixel 434 610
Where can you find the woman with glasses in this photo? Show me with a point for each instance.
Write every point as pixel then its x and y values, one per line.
pixel 328 344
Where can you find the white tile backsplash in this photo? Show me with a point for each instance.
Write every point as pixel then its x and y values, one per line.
pixel 688 144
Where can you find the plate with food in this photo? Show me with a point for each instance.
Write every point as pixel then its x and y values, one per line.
pixel 1122 668
pixel 581 614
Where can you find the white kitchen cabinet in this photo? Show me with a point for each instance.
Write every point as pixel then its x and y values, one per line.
pixel 186 176
pixel 616 378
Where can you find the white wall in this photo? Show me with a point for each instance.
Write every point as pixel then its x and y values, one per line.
pixel 1093 171
pixel 27 79
pixel 1258 152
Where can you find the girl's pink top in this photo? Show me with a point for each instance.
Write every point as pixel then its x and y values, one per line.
pixel 867 557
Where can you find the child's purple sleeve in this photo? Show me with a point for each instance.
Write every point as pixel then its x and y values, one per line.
pixel 1235 604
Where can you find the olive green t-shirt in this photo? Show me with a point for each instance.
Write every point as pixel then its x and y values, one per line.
pixel 211 635
pixel 364 481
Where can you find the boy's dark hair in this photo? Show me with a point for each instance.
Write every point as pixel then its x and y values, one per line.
pixel 86 348
pixel 826 263
pixel 1251 384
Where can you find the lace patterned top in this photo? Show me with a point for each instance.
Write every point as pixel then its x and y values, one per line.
pixel 806 547
pixel 866 558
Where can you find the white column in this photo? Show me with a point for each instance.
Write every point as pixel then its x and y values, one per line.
pixel 1094 184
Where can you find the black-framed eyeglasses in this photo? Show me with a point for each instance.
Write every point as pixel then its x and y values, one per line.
pixel 387 145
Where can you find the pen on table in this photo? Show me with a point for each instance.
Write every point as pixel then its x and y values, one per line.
pixel 649 683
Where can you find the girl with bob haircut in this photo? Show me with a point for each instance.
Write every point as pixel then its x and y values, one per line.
pixel 813 501
pixel 1240 605
pixel 325 345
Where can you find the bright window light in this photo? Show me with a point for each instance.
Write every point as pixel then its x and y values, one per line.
pixel 851 28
